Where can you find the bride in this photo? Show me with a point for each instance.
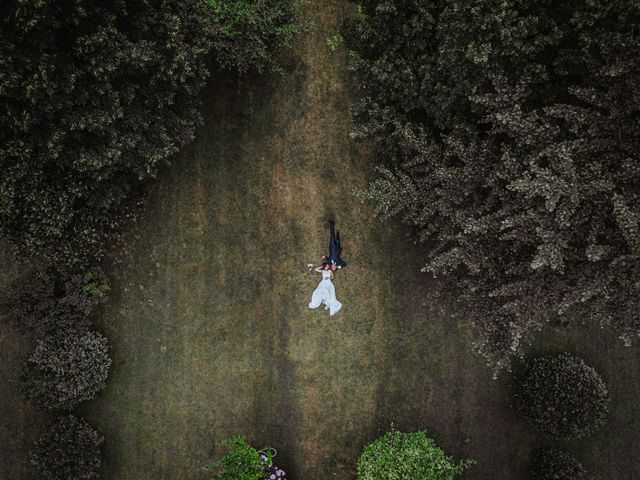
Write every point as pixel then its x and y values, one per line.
pixel 325 292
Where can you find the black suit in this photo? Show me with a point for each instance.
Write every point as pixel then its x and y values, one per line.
pixel 334 248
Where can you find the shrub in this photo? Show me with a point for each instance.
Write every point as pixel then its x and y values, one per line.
pixel 246 32
pixel 46 301
pixel 407 456
pixel 556 464
pixel 243 462
pixel 69 449
pixel 271 471
pixel 562 396
pixel 507 138
pixel 66 368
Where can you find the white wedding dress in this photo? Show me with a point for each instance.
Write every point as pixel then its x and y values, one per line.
pixel 325 293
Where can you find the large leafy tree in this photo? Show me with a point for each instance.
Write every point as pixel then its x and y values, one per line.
pixel 508 134
pixel 97 95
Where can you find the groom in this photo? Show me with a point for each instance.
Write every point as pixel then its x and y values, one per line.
pixel 334 249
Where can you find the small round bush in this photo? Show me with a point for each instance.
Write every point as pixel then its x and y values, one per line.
pixel 407 456
pixel 556 464
pixel 243 462
pixel 562 396
pixel 69 449
pixel 66 369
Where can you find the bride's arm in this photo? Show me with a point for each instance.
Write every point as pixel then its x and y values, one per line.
pixel 319 269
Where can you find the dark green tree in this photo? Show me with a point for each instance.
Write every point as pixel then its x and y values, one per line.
pixel 248 33
pixel 507 137
pixel 97 95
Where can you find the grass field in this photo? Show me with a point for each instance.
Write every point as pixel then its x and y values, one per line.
pixel 209 326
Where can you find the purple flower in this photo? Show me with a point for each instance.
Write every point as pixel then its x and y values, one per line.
pixel 272 477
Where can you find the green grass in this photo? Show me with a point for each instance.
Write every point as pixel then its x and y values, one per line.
pixel 209 326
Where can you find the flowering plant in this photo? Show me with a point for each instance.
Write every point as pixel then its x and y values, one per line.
pixel 243 462
pixel 271 471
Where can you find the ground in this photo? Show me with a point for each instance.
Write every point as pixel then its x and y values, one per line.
pixel 19 423
pixel 209 326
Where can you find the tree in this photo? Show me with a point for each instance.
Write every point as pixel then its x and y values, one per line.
pixel 66 368
pixel 98 95
pixel 562 396
pixel 247 33
pixel 507 136
pixel 407 456
pixel 69 449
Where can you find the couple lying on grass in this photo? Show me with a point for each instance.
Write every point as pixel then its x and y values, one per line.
pixel 325 292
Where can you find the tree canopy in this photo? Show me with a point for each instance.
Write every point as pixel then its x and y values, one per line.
pixel 98 95
pixel 507 135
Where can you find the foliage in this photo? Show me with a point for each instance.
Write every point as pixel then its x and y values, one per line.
pixel 241 462
pixel 507 133
pixel 46 301
pixel 69 449
pixel 97 96
pixel 334 42
pixel 407 456
pixel 562 396
pixel 556 464
pixel 66 368
pixel 247 32
pixel 269 470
